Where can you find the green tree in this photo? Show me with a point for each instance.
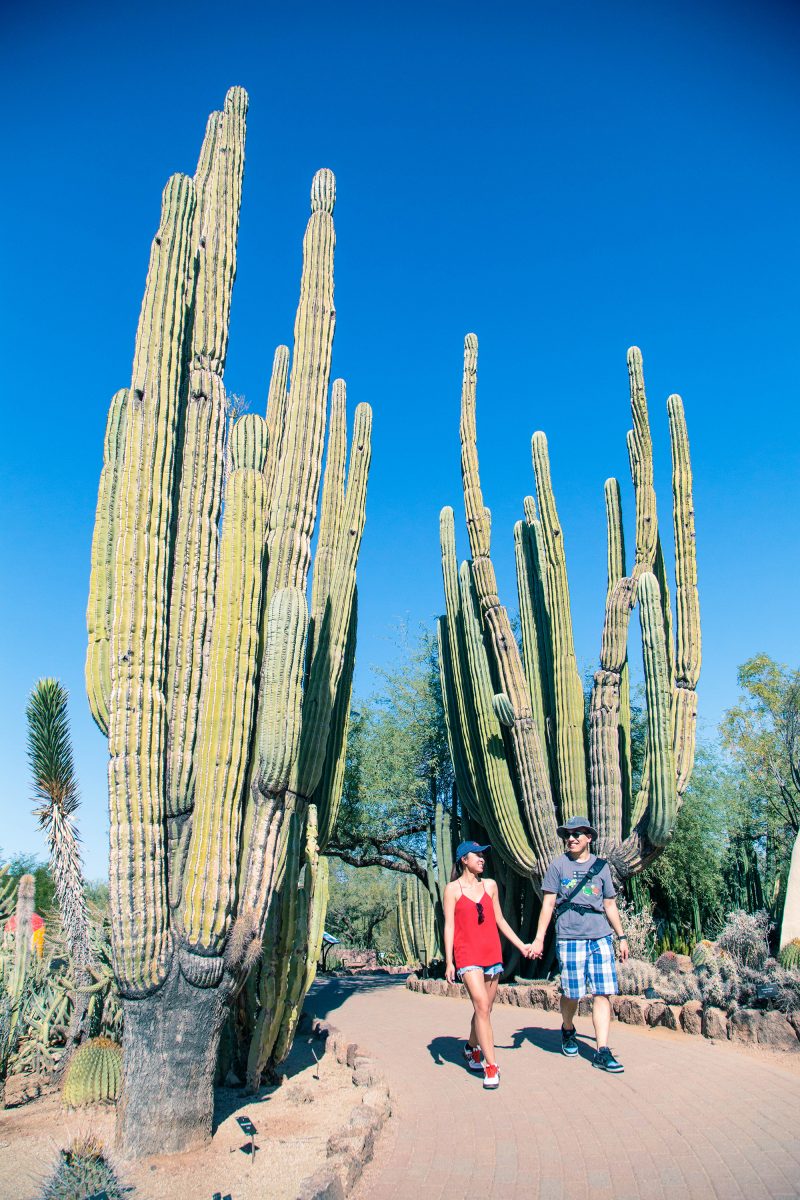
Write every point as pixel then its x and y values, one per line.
pixel 762 733
pixel 361 907
pixel 398 765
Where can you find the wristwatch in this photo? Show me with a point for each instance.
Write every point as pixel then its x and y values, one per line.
pixel 622 937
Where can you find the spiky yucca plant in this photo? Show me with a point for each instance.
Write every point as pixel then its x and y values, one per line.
pixel 55 787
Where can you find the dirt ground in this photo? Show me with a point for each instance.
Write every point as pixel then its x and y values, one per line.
pixel 294 1122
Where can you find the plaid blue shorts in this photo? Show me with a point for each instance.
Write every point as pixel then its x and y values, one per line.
pixel 587 962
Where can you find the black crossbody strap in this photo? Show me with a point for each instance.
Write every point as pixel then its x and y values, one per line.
pixel 566 901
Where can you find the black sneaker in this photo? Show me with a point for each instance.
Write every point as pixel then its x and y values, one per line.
pixel 604 1059
pixel 569 1042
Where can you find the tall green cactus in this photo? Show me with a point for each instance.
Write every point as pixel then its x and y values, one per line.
pixel 416 921
pixel 224 698
pixel 524 755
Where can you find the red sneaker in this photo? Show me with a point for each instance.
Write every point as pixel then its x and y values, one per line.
pixel 491 1075
pixel 474 1057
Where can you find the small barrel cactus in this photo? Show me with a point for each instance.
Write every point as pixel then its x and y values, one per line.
pixel 635 976
pixel 93 1074
pixel 82 1173
pixel 667 963
pixel 703 953
pixel 789 957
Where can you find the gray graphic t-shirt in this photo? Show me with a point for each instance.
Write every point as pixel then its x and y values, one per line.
pixel 580 926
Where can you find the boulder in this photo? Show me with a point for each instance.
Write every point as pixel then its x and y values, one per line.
pixel 502 996
pixel 671 1017
pixel 655 1012
pixel 794 1021
pixel 692 1017
pixel 774 1030
pixel 715 1024
pixel 538 995
pixel 743 1026
pixel 632 1010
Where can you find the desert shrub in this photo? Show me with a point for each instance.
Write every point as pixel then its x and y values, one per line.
pixel 640 928
pixel 745 937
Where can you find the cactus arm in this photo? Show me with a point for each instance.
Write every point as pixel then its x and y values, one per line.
pixel 570 756
pixel 138 643
pixel 640 451
pixel 276 413
pixel 294 502
pixel 281 689
pixel 331 506
pixel 662 799
pixel 688 644
pixel 331 636
pixel 531 652
pixel 226 712
pixel 328 794
pixel 99 610
pixel 531 769
pixel 218 185
pixel 616 571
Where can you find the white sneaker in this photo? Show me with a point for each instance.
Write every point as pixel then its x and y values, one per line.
pixel 491 1075
pixel 474 1057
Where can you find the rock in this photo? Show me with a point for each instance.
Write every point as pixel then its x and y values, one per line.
pixel 502 994
pixel 325 1184
pixel 774 1030
pixel 351 1054
pixel 655 1012
pixel 692 1017
pixel 584 1006
pixel 671 1017
pixel 715 1024
pixel 414 984
pixel 377 1098
pixel 455 991
pixel 299 1094
pixel 794 1021
pixel 633 1010
pixel 537 996
pixel 553 999
pixel 743 1026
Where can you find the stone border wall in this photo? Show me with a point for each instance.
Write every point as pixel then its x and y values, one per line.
pixel 352 1147
pixel 749 1025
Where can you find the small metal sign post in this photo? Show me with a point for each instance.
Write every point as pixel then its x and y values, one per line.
pixel 249 1130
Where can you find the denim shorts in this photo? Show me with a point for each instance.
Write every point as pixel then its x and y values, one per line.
pixel 489 972
pixel 587 964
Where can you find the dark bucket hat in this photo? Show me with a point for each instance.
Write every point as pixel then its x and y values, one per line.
pixel 470 848
pixel 576 823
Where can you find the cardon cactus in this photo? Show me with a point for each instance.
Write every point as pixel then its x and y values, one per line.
pixel 524 753
pixel 416 921
pixel 789 956
pixel 94 1073
pixel 82 1174
pixel 223 693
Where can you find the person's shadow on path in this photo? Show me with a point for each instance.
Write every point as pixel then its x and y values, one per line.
pixel 447 1050
pixel 546 1039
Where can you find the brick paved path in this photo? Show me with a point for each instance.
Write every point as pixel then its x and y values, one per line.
pixel 688 1119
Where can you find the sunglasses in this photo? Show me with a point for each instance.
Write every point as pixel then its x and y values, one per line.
pixel 573 837
pixel 481 915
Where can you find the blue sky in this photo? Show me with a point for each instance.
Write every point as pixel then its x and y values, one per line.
pixel 564 180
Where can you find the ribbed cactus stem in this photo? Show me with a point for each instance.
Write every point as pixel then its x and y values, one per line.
pixel 328 793
pixel 218 188
pixel 531 649
pixel 568 692
pixel 277 399
pixel 23 935
pixel 662 805
pixel 688 654
pixel 137 727
pixel 294 502
pixel 226 713
pixel 640 451
pixel 99 611
pixel 616 571
pixel 531 770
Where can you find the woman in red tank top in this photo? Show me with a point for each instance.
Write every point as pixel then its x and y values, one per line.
pixel 473 922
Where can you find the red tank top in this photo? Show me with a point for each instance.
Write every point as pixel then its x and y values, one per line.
pixel 476 945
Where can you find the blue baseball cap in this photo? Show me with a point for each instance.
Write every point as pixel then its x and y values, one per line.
pixel 470 848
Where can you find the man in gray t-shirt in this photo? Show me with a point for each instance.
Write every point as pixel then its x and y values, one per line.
pixel 579 888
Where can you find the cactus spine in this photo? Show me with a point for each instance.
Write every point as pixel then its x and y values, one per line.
pixel 524 755
pixel 224 700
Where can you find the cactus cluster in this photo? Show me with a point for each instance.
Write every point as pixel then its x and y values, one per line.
pixel 416 922
pixel 83 1173
pixel 525 754
pixel 93 1074
pixel 789 956
pixel 223 692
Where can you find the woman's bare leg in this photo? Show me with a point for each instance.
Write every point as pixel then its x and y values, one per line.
pixel 475 984
pixel 491 990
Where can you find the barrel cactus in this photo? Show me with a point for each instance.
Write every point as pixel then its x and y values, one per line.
pixel 94 1073
pixel 526 755
pixel 82 1174
pixel 222 687
pixel 789 956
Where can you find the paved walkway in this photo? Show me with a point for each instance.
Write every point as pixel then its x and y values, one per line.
pixel 688 1119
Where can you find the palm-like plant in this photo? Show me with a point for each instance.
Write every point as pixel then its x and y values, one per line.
pixel 55 786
